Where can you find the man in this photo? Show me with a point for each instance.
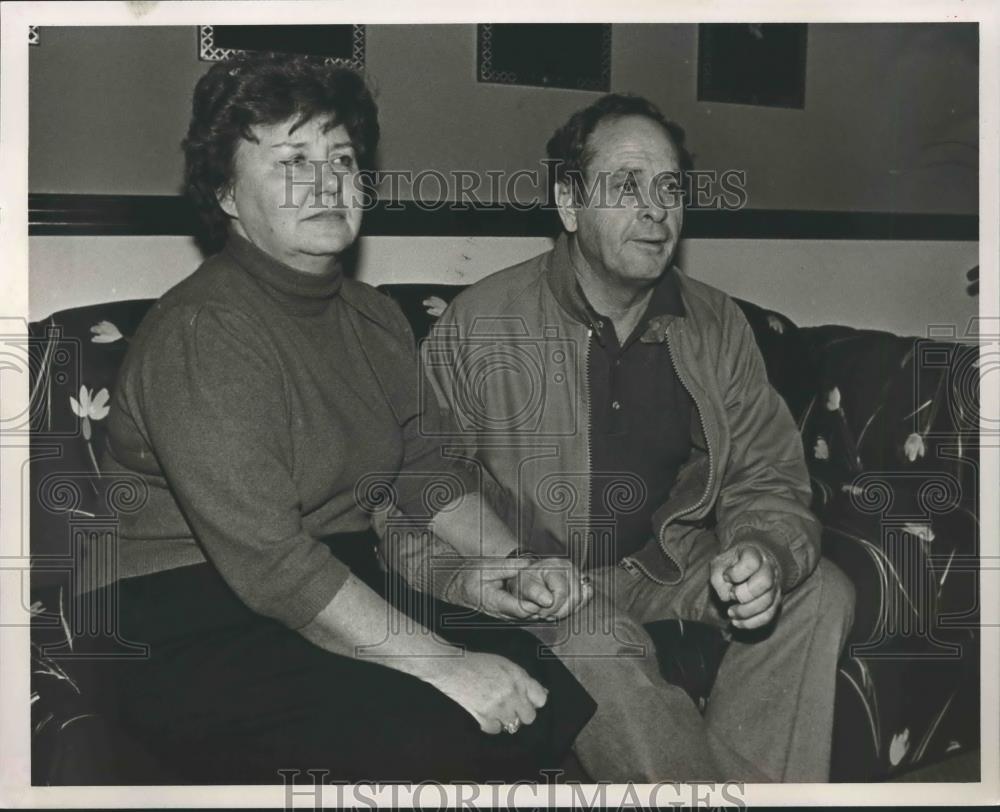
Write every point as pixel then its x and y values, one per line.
pixel 622 413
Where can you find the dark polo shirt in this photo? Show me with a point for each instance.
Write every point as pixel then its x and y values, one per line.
pixel 640 415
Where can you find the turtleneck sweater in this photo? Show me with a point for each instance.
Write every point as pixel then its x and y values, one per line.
pixel 256 403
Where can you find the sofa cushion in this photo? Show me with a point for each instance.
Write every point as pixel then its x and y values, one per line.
pixel 888 403
pixel 422 304
pixel 905 696
pixel 77 356
pixel 792 367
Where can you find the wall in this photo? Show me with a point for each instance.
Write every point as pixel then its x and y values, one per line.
pixel 889 125
pixel 862 284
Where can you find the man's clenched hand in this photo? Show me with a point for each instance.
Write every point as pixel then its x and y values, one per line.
pixel 480 584
pixel 555 585
pixel 748 576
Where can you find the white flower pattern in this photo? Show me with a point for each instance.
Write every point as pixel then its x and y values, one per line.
pixel 89 407
pixel 435 306
pixel 921 530
pixel 899 746
pixel 821 450
pixel 105 333
pixel 914 447
pixel 833 399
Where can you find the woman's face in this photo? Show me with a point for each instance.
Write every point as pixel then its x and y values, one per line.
pixel 295 193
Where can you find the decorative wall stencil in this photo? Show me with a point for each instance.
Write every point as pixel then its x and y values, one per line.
pixel 753 63
pixel 338 44
pixel 576 56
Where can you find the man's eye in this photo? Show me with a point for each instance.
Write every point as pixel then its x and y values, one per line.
pixel 295 160
pixel 343 161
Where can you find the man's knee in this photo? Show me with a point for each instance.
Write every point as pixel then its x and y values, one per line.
pixel 609 636
pixel 830 592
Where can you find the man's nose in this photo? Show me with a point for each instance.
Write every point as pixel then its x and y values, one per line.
pixel 654 210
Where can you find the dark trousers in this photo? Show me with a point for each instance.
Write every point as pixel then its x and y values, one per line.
pixel 229 697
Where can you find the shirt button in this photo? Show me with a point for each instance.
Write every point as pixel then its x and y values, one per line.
pixel 615 405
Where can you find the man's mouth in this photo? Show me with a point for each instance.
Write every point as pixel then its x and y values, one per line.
pixel 651 243
pixel 327 213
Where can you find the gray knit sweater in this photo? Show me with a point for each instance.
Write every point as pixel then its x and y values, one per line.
pixel 255 399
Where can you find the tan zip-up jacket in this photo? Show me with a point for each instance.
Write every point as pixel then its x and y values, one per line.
pixel 507 361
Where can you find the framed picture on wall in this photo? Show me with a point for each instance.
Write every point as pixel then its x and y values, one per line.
pixel 576 56
pixel 338 44
pixel 753 63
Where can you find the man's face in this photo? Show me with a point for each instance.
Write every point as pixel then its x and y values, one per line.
pixel 630 236
pixel 294 193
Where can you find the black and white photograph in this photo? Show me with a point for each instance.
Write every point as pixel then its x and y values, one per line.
pixel 445 406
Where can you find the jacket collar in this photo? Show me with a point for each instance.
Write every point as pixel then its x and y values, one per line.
pixel 665 305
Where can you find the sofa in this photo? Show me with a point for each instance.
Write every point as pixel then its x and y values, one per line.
pixel 889 426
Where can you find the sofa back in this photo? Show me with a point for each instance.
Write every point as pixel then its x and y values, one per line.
pixel 907 407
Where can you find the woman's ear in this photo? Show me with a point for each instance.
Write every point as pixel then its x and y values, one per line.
pixel 566 205
pixel 227 202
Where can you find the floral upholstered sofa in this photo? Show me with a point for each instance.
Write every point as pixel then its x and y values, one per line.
pixel 889 427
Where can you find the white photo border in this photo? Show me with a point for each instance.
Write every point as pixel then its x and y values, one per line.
pixel 15 23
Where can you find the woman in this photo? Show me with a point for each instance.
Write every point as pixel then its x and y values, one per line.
pixel 259 395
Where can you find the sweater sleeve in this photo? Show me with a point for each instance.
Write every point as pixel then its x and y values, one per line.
pixel 429 478
pixel 433 471
pixel 214 408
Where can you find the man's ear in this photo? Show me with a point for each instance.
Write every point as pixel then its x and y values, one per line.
pixel 566 205
pixel 227 202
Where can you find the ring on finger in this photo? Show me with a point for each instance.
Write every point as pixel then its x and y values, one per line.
pixel 512 727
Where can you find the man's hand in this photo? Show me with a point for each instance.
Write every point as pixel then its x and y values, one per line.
pixel 749 576
pixel 480 585
pixel 555 585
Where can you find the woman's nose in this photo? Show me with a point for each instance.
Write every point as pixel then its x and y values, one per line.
pixel 332 185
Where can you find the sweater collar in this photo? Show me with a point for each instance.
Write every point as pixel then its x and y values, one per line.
pixel 305 292
pixel 665 305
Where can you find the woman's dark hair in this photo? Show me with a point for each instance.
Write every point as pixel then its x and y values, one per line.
pixel 568 149
pixel 262 89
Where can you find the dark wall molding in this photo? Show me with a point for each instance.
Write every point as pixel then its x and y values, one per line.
pixel 62 215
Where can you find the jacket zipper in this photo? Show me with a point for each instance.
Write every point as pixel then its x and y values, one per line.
pixel 590 473
pixel 708 443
